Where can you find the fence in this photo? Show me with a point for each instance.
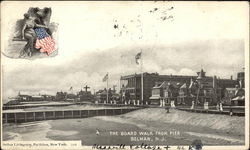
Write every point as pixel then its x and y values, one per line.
pixel 19 117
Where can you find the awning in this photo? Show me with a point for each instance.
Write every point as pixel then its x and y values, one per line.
pixel 155 97
pixel 238 98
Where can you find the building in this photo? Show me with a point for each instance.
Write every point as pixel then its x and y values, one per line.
pixel 37 98
pixel 60 96
pixel 158 93
pixel 206 89
pixel 132 84
pixel 101 95
pixel 183 95
pixel 48 97
pixel 13 102
pixel 234 96
pixel 164 91
pixel 22 97
pixel 210 88
pixel 71 97
pixel 113 97
pixel 171 92
pixel 239 98
pixel 241 79
pixel 125 95
pixel 203 89
pixel 85 96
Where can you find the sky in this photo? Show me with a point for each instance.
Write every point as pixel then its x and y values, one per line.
pixel 94 38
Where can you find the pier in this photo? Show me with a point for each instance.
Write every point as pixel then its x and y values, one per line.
pixel 20 117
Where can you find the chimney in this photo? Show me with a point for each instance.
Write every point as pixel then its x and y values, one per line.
pixel 231 77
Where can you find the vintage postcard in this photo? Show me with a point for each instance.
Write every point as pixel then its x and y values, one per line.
pixel 155 75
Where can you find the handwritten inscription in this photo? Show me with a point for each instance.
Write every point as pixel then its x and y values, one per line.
pixel 123 146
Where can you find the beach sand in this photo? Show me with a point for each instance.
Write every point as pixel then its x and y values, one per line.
pixel 180 128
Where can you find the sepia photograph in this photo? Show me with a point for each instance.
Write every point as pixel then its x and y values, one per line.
pixel 124 75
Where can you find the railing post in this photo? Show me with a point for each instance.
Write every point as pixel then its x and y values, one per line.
pixel 25 117
pixel 34 116
pixel 44 117
pixel 63 114
pixel 15 118
pixel 54 114
pixel 6 117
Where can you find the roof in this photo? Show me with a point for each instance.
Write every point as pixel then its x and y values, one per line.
pixel 155 75
pixel 23 95
pixel 191 84
pixel 184 86
pixel 159 85
pixel 155 97
pixel 238 90
pixel 171 77
pixel 37 96
pixel 231 89
pixel 238 98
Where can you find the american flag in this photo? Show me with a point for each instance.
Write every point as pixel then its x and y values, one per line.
pixel 105 77
pixel 44 41
pixel 137 57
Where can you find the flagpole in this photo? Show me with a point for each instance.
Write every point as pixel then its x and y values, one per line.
pixel 141 78
pixel 107 88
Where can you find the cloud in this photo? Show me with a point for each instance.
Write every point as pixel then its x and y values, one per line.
pixel 88 48
pixel 217 57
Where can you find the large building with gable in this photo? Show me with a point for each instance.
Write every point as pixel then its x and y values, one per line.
pixel 131 85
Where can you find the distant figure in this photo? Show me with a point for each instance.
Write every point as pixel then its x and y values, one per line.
pixel 172 104
pixel 217 106
pixel 163 103
pixel 97 132
pixel 192 107
pixel 206 106
pixel 160 103
pixel 167 108
pixel 221 108
pixel 231 112
pixel 134 102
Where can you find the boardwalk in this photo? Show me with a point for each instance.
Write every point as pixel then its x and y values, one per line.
pixel 18 117
pixel 237 110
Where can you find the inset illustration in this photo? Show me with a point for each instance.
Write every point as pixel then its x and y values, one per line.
pixel 34 36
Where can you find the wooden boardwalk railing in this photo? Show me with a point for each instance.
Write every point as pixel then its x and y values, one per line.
pixel 7 107
pixel 19 117
pixel 226 111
